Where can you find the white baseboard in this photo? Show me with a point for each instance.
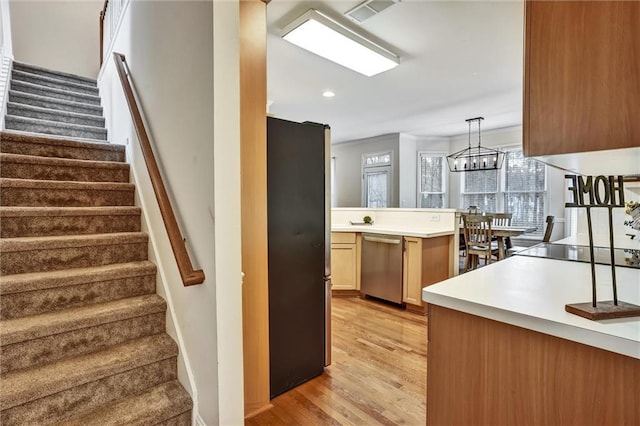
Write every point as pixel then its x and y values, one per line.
pixel 197 420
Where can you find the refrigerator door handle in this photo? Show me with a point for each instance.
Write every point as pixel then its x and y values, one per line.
pixel 327 201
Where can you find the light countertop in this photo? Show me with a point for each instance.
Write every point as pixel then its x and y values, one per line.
pixel 532 292
pixel 391 230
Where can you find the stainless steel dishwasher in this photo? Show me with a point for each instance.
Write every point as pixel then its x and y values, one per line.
pixel 382 266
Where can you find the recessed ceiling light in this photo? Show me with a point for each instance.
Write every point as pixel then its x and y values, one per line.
pixel 328 94
pixel 323 36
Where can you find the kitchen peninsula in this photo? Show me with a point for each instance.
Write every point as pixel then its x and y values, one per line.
pixel 427 251
pixel 502 349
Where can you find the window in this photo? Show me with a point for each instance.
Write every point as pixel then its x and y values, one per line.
pixel 376 180
pixel 480 189
pixel 518 188
pixel 372 160
pixel 525 190
pixel 431 180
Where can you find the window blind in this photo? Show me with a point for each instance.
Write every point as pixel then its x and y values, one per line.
pixel 431 180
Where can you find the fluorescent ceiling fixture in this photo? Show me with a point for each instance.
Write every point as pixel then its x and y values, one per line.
pixel 323 36
pixel 328 94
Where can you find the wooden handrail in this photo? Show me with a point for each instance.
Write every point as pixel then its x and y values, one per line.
pixel 178 245
pixel 103 13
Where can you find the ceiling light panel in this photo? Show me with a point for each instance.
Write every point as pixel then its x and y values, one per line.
pixel 325 37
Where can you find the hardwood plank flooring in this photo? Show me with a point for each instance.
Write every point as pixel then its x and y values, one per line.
pixel 377 375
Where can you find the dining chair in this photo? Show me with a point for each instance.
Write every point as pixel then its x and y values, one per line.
pixel 462 247
pixel 477 235
pixel 550 220
pixel 501 219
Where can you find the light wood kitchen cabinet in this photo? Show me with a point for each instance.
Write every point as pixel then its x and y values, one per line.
pixel 425 262
pixel 581 76
pixel 345 262
pixel 487 372
pixel 412 271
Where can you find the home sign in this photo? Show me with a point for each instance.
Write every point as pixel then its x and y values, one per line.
pixel 592 192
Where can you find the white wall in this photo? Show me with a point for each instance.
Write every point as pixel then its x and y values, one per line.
pixel 407 170
pixel 193 121
pixel 62 35
pixel 6 55
pixel 227 212
pixel 348 160
pixel 6 43
pixel 600 220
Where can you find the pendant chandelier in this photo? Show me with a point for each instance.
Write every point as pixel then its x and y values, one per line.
pixel 476 158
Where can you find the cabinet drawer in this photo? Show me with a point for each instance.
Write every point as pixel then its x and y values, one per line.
pixel 343 238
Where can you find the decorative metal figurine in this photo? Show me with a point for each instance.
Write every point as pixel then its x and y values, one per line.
pixel 590 192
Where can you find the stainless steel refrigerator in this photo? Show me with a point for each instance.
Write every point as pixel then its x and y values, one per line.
pixel 299 235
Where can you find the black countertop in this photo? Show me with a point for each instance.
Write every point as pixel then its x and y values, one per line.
pixel 623 257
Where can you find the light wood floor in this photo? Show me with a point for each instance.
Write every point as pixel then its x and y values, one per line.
pixel 377 377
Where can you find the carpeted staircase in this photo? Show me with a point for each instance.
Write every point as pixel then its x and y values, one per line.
pixel 82 331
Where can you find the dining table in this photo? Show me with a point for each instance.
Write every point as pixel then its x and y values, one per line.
pixel 502 233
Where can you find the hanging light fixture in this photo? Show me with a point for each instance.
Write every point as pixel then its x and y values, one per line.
pixel 477 158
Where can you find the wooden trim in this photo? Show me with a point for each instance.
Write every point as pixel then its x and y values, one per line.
pixel 415 309
pixel 346 293
pixel 526 139
pixel 253 162
pixel 178 243
pixel 358 261
pixel 258 411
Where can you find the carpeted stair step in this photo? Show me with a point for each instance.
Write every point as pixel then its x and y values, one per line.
pixel 34 193
pixel 55 83
pixel 82 330
pixel 165 404
pixel 73 385
pixel 36 125
pixel 50 221
pixel 59 75
pixel 42 292
pixel 50 92
pixel 20 143
pixel 41 339
pixel 46 168
pixel 53 103
pixel 80 399
pixel 30 111
pixel 39 254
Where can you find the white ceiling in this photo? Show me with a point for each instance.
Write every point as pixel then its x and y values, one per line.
pixel 458 60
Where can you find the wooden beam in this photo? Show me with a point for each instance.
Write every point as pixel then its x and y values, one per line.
pixel 253 148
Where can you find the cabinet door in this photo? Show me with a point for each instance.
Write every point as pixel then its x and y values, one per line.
pixel 344 267
pixel 582 76
pixel 412 271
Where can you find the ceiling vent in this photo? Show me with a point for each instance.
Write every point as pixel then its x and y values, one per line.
pixel 369 8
